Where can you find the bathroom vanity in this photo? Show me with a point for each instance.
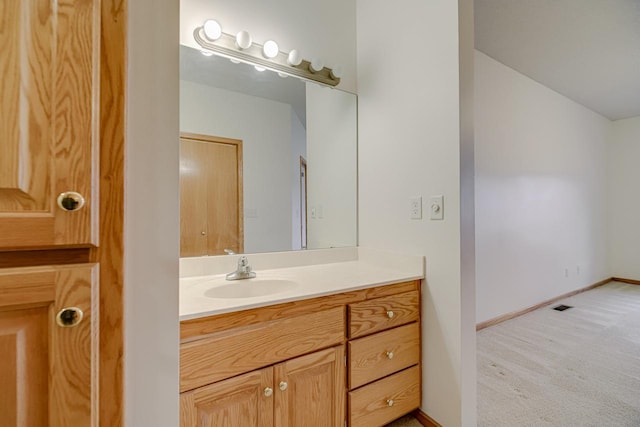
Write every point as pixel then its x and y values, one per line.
pixel 340 345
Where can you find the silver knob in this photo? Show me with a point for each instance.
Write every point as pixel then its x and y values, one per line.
pixel 283 385
pixel 389 402
pixel 390 314
pixel 70 201
pixel 69 317
pixel 268 391
pixel 389 354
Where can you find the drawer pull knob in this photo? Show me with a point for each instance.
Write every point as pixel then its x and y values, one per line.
pixel 389 355
pixel 70 201
pixel 390 314
pixel 283 385
pixel 69 317
pixel 268 391
pixel 389 402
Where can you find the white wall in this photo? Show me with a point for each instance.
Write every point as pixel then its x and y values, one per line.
pixel 299 139
pixel 331 167
pixel 265 128
pixel 540 192
pixel 151 237
pixel 624 198
pixel 409 145
pixel 318 29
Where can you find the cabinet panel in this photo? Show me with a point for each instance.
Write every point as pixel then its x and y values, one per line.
pixel 236 402
pixel 385 400
pixel 48 375
pixel 48 120
pixel 384 353
pixel 244 349
pixel 378 314
pixel 310 390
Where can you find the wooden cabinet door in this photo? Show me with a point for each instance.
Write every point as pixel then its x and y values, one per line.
pixel 48 374
pixel 242 401
pixel 310 390
pixel 49 57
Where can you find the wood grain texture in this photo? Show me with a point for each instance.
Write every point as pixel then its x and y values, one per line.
pixel 47 257
pixel 110 253
pixel 49 119
pixel 369 405
pixel 518 313
pixel 369 356
pixel 24 347
pixel 315 390
pixel 238 401
pixel 373 315
pixel 74 351
pixel 203 327
pixel 244 349
pixel 53 371
pixel 211 180
pixel 425 419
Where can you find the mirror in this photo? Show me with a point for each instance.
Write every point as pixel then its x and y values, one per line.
pixel 267 163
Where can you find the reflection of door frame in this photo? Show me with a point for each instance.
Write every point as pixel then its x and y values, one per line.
pixel 238 144
pixel 303 203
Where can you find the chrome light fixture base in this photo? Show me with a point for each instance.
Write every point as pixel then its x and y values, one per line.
pixel 225 46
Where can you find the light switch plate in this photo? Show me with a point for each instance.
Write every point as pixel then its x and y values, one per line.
pixel 436 207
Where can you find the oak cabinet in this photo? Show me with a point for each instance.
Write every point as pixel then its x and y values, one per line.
pixel 305 391
pixel 285 365
pixel 49 122
pixel 49 355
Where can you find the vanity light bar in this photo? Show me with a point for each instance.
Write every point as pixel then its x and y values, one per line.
pixel 226 47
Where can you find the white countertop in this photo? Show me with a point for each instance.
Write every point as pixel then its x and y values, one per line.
pixel 372 268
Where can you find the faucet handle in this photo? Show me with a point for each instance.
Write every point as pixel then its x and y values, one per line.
pixel 229 252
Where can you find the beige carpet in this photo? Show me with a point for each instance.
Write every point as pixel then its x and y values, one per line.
pixel 579 367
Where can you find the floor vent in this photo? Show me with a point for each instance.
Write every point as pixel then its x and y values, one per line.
pixel 562 307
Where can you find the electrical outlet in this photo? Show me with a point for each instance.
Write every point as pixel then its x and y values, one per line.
pixel 415 208
pixel 566 272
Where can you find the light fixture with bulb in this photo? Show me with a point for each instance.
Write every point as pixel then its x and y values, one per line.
pixel 242 48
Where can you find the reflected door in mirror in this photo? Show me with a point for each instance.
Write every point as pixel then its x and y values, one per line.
pixel 210 195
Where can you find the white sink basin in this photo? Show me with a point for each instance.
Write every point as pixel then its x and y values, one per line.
pixel 248 288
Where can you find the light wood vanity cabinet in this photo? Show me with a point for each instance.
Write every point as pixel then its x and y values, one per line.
pixel 294 364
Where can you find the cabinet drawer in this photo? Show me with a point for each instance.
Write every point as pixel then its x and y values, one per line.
pixel 244 349
pixel 383 401
pixel 381 354
pixel 379 314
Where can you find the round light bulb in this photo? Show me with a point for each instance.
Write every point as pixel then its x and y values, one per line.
pixel 316 65
pixel 212 30
pixel 259 68
pixel 337 73
pixel 235 61
pixel 270 49
pixel 206 52
pixel 283 75
pixel 294 58
pixel 243 39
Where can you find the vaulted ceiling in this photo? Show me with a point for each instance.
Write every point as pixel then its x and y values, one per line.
pixel 586 50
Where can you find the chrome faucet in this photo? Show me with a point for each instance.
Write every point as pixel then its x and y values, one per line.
pixel 243 271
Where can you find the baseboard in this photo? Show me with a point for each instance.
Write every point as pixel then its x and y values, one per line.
pixel 425 419
pixel 509 316
pixel 630 281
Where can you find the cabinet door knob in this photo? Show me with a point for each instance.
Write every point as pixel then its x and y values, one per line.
pixel 268 391
pixel 390 314
pixel 389 402
pixel 69 317
pixel 389 354
pixel 204 233
pixel 70 201
pixel 283 385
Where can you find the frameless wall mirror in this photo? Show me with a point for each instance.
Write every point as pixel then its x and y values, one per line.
pixel 267 163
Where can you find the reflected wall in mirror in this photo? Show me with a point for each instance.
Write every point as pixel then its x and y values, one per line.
pixel 287 146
